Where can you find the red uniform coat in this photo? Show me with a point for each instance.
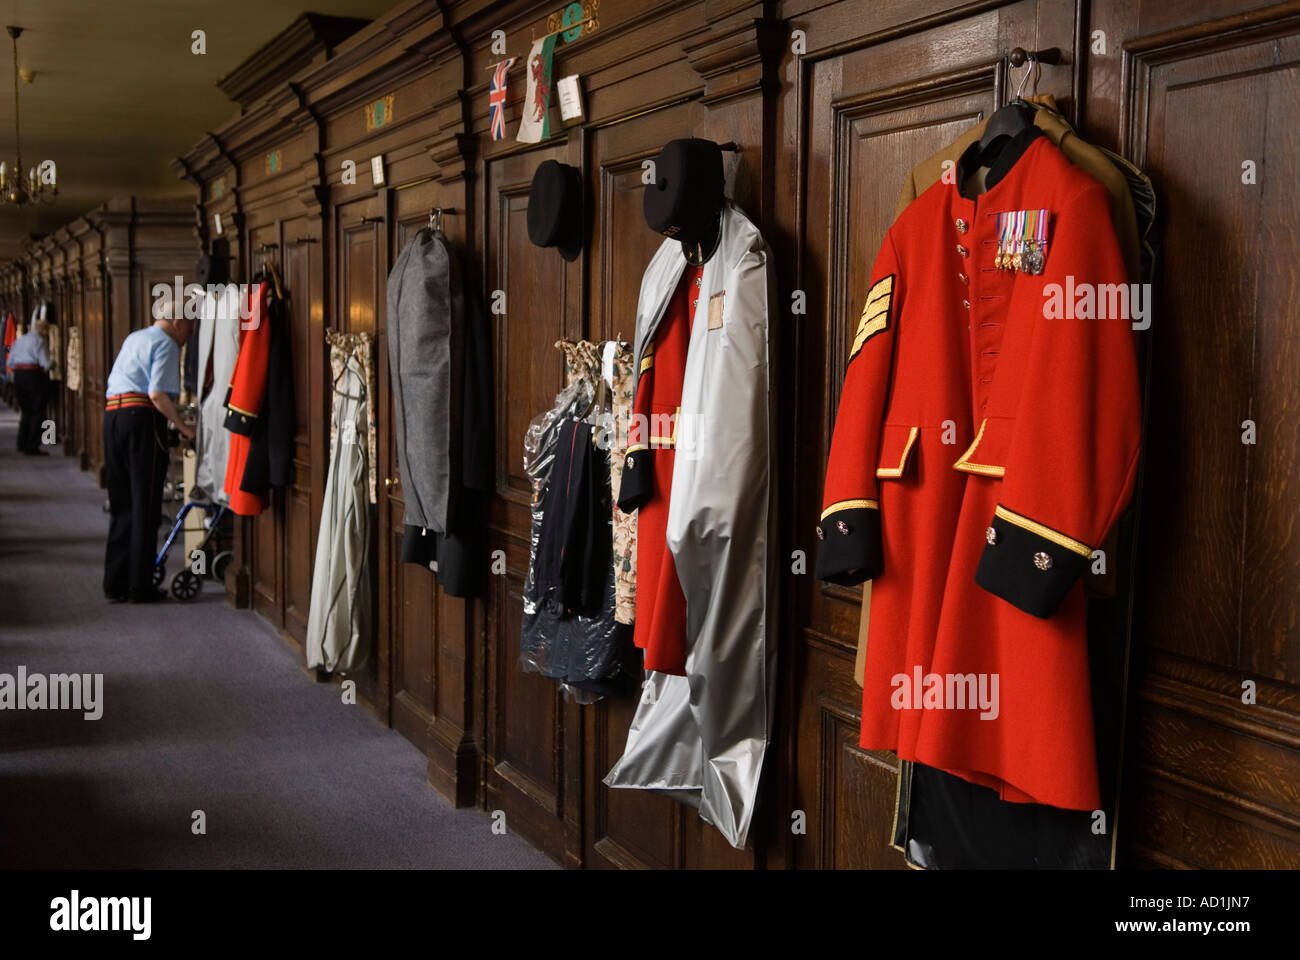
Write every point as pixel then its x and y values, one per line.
pixel 648 479
pixel 982 449
pixel 244 400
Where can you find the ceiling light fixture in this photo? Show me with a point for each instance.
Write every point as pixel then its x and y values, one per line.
pixel 40 185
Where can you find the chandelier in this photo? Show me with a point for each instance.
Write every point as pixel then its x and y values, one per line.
pixel 40 186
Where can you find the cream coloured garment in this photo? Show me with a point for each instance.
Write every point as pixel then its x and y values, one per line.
pixel 338 626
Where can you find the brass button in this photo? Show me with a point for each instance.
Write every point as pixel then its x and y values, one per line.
pixel 821 534
pixel 991 535
pixel 963 278
pixel 962 251
pixel 628 462
pixel 966 304
pixel 962 225
pixel 1042 560
pixel 842 527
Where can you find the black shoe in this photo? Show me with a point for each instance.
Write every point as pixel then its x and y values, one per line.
pixel 40 453
pixel 148 596
pixel 116 597
pixel 323 675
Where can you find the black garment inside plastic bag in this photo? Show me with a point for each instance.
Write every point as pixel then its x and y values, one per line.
pixel 590 653
pixel 575 547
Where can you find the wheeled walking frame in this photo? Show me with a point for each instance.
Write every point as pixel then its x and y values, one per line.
pixel 186 584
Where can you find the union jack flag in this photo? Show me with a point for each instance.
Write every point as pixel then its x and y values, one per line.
pixel 497 99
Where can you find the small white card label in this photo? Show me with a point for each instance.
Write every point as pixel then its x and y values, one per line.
pixel 377 170
pixel 216 221
pixel 570 97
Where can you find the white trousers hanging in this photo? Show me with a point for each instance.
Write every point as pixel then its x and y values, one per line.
pixel 338 628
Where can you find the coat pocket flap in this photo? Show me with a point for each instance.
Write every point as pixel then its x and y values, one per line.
pixel 987 454
pixel 896 444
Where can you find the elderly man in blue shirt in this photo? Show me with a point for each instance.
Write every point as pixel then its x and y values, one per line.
pixel 141 398
pixel 28 363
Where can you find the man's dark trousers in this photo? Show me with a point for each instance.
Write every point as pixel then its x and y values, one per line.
pixel 135 455
pixel 30 385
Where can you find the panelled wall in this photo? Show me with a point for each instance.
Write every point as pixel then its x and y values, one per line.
pixel 831 103
pixel 98 271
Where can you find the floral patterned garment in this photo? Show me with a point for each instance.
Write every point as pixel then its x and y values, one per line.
pixel 624 523
pixel 343 345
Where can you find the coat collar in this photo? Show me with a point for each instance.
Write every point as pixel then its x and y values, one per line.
pixel 999 156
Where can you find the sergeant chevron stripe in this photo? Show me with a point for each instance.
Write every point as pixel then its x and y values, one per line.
pixel 875 315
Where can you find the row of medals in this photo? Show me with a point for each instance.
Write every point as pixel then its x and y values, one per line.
pixel 1023 256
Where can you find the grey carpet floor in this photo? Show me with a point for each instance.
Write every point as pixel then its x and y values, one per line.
pixel 205 708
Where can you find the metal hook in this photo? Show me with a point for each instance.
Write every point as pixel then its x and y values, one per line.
pixel 1035 69
pixel 1019 56
pixel 435 217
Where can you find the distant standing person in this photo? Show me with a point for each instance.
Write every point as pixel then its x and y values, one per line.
pixel 141 398
pixel 28 363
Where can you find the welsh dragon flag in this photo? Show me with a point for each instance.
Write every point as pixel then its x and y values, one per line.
pixel 535 125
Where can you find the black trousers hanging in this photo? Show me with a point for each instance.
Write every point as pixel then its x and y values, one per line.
pixel 135 461
pixel 30 386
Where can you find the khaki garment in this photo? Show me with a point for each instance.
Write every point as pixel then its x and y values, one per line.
pixel 56 351
pixel 1080 153
pixel 73 365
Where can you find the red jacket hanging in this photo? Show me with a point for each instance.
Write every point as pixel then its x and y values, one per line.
pixel 986 441
pixel 648 479
pixel 244 399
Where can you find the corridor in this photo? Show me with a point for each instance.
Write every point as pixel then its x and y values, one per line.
pixel 204 709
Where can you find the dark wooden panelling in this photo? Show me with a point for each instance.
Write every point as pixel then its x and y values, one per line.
pixel 827 138
pixel 301 275
pixel 267 558
pixel 872 114
pixel 1270 617
pixel 361 251
pixel 525 737
pixel 98 272
pixel 1216 781
pixel 626 828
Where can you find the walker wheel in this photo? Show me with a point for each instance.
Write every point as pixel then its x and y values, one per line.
pixel 159 572
pixel 219 564
pixel 186 585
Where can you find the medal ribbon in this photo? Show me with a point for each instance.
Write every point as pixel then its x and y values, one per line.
pixel 1006 240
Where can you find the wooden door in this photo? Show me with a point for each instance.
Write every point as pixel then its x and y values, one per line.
pixel 361 258
pixel 95 366
pixel 416 611
pixel 77 401
pixel 1210 100
pixel 632 828
pixel 862 118
pixel 533 758
pixel 302 278
pixel 266 556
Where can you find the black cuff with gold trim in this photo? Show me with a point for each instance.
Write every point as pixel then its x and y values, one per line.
pixel 850 550
pixel 1030 566
pixel 240 423
pixel 638 481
